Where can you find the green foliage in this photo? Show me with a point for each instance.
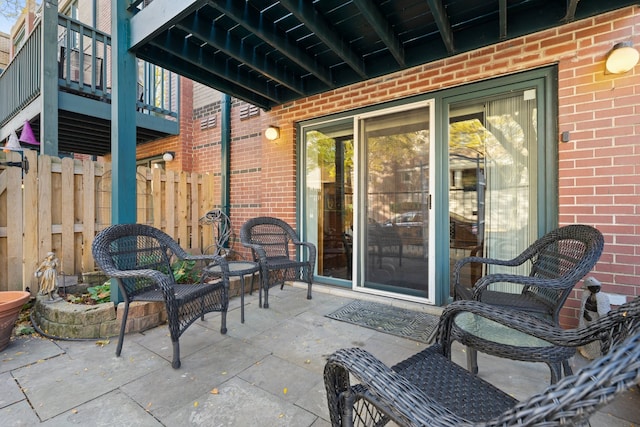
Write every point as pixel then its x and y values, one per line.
pixel 183 271
pixel 101 293
pixel 94 295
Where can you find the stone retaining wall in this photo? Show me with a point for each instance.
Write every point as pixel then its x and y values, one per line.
pixel 62 319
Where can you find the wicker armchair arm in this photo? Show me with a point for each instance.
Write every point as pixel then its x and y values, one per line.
pixel 515 319
pixel 311 248
pixel 481 260
pixel 573 399
pixel 625 317
pixel 388 391
pixel 161 279
pixel 483 283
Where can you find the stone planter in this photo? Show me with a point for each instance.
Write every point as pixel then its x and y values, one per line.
pixel 11 303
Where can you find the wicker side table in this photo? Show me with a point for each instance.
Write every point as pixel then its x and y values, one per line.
pixel 239 269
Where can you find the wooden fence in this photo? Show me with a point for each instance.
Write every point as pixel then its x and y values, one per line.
pixel 60 204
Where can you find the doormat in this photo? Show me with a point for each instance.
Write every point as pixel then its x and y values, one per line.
pixel 386 318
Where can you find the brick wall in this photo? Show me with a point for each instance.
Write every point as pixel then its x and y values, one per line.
pixel 599 168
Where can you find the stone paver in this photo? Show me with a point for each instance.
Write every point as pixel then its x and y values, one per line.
pixel 267 371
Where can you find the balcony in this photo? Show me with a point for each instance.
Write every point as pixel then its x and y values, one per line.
pixel 72 87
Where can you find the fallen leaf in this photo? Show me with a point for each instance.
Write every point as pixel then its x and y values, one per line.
pixel 102 343
pixel 285 390
pixel 308 361
pixel 215 391
pixel 74 411
pixel 281 416
pixel 195 404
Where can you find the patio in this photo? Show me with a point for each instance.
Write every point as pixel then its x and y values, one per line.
pixel 267 371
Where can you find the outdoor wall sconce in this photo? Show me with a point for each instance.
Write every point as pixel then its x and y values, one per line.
pixel 168 156
pixel 272 133
pixel 13 145
pixel 622 58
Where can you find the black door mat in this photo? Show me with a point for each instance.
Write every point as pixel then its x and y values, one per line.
pixel 397 321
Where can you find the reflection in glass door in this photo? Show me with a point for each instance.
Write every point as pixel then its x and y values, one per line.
pixel 329 197
pixel 395 215
pixel 492 179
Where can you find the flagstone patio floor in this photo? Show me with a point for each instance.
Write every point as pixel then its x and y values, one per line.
pixel 265 372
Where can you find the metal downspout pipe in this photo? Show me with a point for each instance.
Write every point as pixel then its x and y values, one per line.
pixel 225 153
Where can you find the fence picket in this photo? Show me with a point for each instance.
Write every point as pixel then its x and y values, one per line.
pixel 60 204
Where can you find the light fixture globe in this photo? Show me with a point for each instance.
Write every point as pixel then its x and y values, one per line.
pixel 272 133
pixel 168 156
pixel 622 58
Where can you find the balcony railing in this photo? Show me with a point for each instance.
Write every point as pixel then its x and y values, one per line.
pixel 84 68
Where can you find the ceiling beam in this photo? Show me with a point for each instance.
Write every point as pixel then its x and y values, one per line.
pixel 502 13
pixel 571 10
pixel 253 21
pixel 207 31
pixel 188 51
pixel 206 72
pixel 442 21
pixel 383 29
pixel 317 24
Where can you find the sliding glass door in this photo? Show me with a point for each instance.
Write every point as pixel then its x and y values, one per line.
pixel 396 199
pixel 389 193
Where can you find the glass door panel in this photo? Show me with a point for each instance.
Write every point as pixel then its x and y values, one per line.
pixel 492 163
pixel 329 197
pixel 395 217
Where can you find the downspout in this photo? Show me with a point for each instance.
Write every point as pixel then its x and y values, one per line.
pixel 225 153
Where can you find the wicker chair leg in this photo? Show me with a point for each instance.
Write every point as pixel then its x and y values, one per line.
pixel 223 325
pixel 175 364
pixel 123 326
pixel 556 371
pixel 309 278
pixel 472 360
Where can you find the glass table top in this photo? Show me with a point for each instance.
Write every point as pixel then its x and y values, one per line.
pixel 495 332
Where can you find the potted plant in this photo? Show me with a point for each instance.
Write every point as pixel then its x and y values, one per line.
pixel 11 303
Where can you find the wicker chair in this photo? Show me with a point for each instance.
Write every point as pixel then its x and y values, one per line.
pixel 139 257
pixel 557 261
pixel 271 240
pixel 429 389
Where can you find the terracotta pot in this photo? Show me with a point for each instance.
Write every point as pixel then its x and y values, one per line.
pixel 11 303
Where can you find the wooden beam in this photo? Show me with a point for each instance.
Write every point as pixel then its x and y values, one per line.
pixel 208 32
pixel 442 21
pixel 381 26
pixel 249 18
pixel 571 10
pixel 502 12
pixel 307 14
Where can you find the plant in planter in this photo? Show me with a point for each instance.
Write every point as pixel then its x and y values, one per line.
pixel 183 272
pixel 94 295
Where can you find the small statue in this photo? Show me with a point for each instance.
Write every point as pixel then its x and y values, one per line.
pixel 595 304
pixel 48 275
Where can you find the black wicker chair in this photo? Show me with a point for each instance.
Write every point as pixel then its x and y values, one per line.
pixel 139 257
pixel 429 389
pixel 271 240
pixel 557 261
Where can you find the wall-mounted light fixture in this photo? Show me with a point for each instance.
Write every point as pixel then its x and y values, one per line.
pixel 168 156
pixel 622 58
pixel 272 133
pixel 13 145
